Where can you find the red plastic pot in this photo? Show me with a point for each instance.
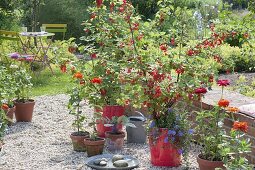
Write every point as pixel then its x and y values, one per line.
pixel 109 112
pixel 163 154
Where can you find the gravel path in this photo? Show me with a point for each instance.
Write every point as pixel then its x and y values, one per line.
pixel 45 144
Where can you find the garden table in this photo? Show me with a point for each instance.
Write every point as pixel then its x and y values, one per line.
pixel 32 42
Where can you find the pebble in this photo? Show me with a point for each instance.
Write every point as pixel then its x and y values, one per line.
pixel 120 163
pixel 103 163
pixel 117 157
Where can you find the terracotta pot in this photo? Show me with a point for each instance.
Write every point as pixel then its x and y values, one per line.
pixel 78 141
pixel 94 147
pixel 24 111
pixel 164 154
pixel 109 112
pixel 114 141
pixel 209 165
pixel 9 113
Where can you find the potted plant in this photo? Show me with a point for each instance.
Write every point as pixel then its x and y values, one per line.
pixel 226 150
pixel 94 144
pixel 3 123
pixel 104 74
pixel 115 137
pixel 24 104
pixel 101 88
pixel 235 146
pixel 3 119
pixel 162 78
pixel 9 86
pixel 74 107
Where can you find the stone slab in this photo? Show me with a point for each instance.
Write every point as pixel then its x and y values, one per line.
pixel 248 109
pixel 244 103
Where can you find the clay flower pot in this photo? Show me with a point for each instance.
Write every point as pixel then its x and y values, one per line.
pixel 114 141
pixel 24 110
pixel 94 147
pixel 209 165
pixel 78 141
pixel 9 113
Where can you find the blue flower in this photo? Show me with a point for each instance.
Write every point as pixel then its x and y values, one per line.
pixel 180 151
pixel 172 139
pixel 180 133
pixel 178 118
pixel 169 110
pixel 176 127
pixel 190 131
pixel 171 132
pixel 166 140
pixel 152 124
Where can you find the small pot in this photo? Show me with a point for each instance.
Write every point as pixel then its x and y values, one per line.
pixel 94 147
pixel 24 111
pixel 209 165
pixel 114 141
pixel 78 141
pixel 9 113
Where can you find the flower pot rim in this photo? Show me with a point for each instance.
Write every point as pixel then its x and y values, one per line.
pixel 89 141
pixel 27 101
pixel 84 133
pixel 109 134
pixel 119 133
pixel 199 157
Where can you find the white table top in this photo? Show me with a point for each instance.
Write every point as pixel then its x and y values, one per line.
pixel 36 34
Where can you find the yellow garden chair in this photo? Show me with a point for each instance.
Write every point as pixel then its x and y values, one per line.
pixel 56 28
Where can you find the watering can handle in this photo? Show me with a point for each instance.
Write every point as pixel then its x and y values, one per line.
pixel 141 114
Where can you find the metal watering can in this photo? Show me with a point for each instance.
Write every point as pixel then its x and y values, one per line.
pixel 138 134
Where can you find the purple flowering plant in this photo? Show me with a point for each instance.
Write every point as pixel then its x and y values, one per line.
pixel 179 131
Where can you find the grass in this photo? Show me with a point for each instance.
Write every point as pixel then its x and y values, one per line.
pixel 47 84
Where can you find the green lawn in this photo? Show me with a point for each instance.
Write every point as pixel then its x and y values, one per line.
pixel 47 84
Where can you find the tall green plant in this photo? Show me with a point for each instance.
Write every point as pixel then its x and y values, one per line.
pixel 24 85
pixel 74 107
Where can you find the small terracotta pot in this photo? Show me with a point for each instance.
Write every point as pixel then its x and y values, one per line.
pixel 24 111
pixel 9 113
pixel 114 141
pixel 209 165
pixel 94 147
pixel 78 141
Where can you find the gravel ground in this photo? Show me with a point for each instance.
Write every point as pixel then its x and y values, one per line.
pixel 45 144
